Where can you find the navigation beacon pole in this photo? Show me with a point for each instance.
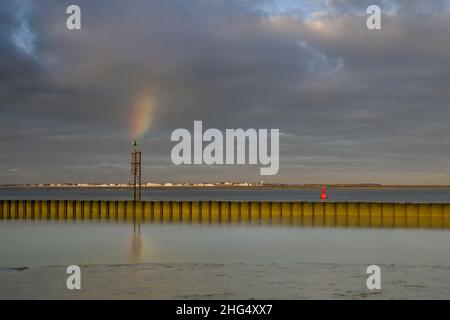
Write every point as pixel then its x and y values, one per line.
pixel 136 171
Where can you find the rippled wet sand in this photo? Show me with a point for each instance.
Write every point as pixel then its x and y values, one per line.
pixel 226 281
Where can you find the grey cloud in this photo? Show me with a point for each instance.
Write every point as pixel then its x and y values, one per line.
pixel 356 104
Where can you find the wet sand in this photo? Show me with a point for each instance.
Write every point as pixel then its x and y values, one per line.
pixel 226 281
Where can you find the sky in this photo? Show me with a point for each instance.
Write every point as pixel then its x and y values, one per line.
pixel 352 105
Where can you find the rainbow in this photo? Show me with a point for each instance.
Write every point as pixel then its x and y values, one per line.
pixel 141 115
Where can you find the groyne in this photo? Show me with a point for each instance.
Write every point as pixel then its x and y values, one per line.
pixel 349 214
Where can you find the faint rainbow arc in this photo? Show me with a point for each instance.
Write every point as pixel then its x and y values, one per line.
pixel 141 115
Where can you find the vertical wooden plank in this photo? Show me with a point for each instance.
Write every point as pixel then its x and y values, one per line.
pixel 437 216
pixel 255 212
pixel 62 208
pixel 412 215
pixel 235 212
pixel 157 212
pixel 266 211
pixel 29 206
pixel 388 215
pixel 224 212
pixel 376 215
pixel 353 214
pixel 400 215
pixel 319 213
pixel 69 210
pixel 129 212
pixel 245 212
pixel 364 214
pixel 308 217
pixel 87 210
pixel 297 214
pixel 447 216
pixel 215 212
pixel 79 205
pixel 424 215
pixel 330 214
pixel 186 213
pixel 104 210
pixel 121 208
pixel 20 209
pixel 286 213
pixel 276 212
pixel 37 209
pixel 176 211
pixel 195 205
pixel 167 211
pixel 95 210
pixel 148 211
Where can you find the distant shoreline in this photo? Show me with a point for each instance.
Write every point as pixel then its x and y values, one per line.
pixel 234 187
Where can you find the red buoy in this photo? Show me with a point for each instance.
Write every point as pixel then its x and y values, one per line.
pixel 324 194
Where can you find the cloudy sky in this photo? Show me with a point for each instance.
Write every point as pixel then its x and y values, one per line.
pixel 353 105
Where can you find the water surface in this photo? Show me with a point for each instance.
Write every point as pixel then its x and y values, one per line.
pixel 428 195
pixel 124 260
pixel 42 244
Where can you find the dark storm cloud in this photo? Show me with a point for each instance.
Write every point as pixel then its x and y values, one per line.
pixel 355 105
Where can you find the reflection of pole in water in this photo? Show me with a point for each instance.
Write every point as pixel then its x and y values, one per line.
pixel 136 244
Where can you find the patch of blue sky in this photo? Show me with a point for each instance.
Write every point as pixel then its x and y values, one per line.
pixel 307 9
pixel 302 8
pixel 400 6
pixel 21 35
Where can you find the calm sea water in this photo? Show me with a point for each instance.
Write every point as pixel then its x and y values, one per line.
pixel 222 261
pixel 37 244
pixel 196 194
pixel 184 261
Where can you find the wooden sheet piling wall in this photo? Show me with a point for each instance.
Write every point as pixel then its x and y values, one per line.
pixel 348 214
